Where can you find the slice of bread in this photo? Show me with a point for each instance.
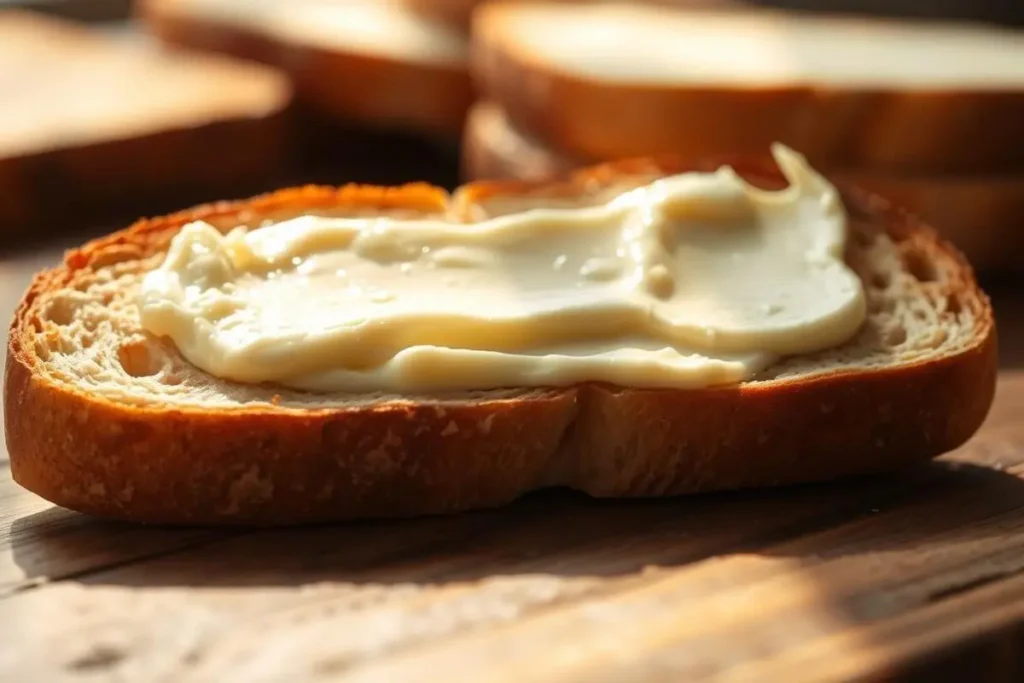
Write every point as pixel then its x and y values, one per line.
pixel 375 63
pixel 90 121
pixel 980 214
pixel 102 417
pixel 457 13
pixel 460 12
pixel 493 148
pixel 610 81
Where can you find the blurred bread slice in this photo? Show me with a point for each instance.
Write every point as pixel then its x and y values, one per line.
pixel 89 121
pixel 460 12
pixel 363 61
pixel 453 12
pixel 983 215
pixel 495 149
pixel 613 80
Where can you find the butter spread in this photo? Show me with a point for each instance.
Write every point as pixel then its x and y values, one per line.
pixel 693 280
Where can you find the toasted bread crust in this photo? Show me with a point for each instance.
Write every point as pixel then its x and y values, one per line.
pixel 834 128
pixel 265 464
pixel 344 84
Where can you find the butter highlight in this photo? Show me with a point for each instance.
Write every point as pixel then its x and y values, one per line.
pixel 691 281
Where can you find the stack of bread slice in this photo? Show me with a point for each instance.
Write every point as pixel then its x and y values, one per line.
pixel 387 64
pixel 928 114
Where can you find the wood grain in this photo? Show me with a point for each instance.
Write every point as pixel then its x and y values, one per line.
pixel 870 579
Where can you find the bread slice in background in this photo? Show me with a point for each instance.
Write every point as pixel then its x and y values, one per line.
pixel 493 148
pixel 102 417
pixel 459 13
pixel 374 63
pixel 982 214
pixel 616 80
pixel 89 122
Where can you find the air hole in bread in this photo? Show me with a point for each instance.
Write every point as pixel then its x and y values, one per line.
pixel 953 304
pixel 896 336
pixel 60 311
pixel 880 280
pixel 136 359
pixel 170 379
pixel 918 265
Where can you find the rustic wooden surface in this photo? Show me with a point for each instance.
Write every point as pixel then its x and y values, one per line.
pixel 920 576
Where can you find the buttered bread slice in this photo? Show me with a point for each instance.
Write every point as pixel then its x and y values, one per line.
pixel 107 414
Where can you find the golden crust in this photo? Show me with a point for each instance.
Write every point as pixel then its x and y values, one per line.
pixel 265 464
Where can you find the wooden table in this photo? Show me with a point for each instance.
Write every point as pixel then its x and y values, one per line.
pixel 920 576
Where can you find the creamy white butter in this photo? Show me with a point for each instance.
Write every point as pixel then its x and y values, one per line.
pixel 693 280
